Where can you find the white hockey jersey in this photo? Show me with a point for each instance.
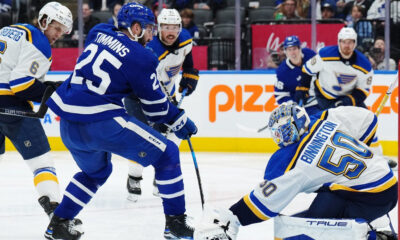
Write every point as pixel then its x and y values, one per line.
pixel 338 77
pixel 25 56
pixel 171 59
pixel 326 156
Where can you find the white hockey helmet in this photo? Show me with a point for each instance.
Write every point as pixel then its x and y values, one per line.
pixel 57 12
pixel 288 123
pixel 347 33
pixel 169 16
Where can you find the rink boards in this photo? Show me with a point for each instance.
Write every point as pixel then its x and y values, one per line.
pixel 229 107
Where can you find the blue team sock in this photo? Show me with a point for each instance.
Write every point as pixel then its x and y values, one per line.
pixel 77 194
pixel 170 181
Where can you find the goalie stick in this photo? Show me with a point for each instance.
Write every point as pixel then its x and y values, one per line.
pixel 190 144
pixel 31 114
pixel 387 95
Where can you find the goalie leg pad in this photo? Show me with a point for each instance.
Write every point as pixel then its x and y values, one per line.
pixel 320 228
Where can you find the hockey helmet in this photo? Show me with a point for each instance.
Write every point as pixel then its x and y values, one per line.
pixel 135 12
pixel 57 12
pixel 288 123
pixel 347 33
pixel 169 16
pixel 291 41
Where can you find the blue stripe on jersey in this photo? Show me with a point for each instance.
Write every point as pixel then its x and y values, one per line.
pixel 377 183
pixel 261 206
pixel 19 81
pixel 370 131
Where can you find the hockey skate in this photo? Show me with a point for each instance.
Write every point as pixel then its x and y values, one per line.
pixel 48 206
pixel 176 227
pixel 60 228
pixel 134 189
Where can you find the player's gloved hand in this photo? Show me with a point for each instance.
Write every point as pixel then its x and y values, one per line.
pixel 344 101
pixel 182 126
pixel 52 84
pixel 189 80
pixel 301 94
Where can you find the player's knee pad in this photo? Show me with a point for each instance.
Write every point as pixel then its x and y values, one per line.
pixel 169 160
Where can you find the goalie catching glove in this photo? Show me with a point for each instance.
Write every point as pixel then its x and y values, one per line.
pixel 189 80
pixel 182 126
pixel 217 224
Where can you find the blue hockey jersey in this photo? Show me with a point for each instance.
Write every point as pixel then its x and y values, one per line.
pixel 288 77
pixel 111 67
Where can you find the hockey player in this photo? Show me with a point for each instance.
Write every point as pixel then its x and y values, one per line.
pixel 289 73
pixel 94 123
pixel 344 74
pixel 173 48
pixel 316 155
pixel 25 59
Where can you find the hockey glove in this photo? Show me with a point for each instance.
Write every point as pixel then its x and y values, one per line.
pixel 52 84
pixel 301 94
pixel 189 80
pixel 182 126
pixel 344 101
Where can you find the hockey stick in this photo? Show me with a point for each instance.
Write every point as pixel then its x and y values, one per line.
pixel 31 114
pixel 387 95
pixel 190 144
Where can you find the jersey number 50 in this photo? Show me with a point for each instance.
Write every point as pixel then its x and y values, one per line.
pixel 97 71
pixel 350 165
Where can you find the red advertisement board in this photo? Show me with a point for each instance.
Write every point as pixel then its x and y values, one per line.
pixel 267 39
pixel 64 59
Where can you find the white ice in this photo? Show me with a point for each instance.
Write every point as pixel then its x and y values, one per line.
pixel 226 177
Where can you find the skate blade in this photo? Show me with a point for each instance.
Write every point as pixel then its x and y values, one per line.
pixel 170 236
pixel 133 197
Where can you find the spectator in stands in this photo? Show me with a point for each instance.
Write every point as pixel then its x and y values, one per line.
pixel 362 27
pixel 275 57
pixel 89 22
pixel 154 8
pixel 5 6
pixel 214 5
pixel 376 56
pixel 187 22
pixel 181 4
pixel 327 11
pixel 287 11
pixel 346 12
pixel 113 20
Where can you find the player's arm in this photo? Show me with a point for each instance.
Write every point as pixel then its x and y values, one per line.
pixel 311 68
pixel 281 91
pixel 155 103
pixel 26 78
pixel 190 75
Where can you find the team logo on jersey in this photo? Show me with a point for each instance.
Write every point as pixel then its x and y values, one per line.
pixel 142 154
pixel 172 71
pixel 344 79
pixel 27 143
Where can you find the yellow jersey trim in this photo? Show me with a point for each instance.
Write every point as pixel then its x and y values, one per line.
pixel 185 43
pixel 381 188
pixel 23 86
pixel 305 139
pixel 255 210
pixel 163 55
pixel 27 31
pixel 325 94
pixel 360 68
pixel 331 58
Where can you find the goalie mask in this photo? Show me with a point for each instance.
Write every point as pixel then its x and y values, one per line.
pixel 55 11
pixel 288 123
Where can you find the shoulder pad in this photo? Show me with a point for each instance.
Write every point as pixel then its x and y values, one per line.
pixel 36 37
